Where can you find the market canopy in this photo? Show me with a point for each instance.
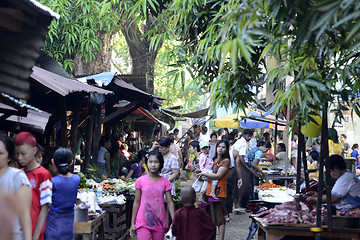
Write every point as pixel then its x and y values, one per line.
pixel 197 114
pixel 251 120
pixel 123 90
pixel 62 85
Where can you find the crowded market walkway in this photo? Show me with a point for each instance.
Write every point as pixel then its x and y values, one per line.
pixel 236 229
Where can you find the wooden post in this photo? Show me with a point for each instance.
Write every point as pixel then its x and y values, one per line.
pixel 327 167
pixel 324 153
pixel 276 133
pixel 109 103
pixel 75 123
pixel 97 132
pixel 62 101
pixel 88 136
pixel 298 161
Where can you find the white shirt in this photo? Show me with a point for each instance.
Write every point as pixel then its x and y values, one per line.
pixel 101 153
pixel 347 186
pixel 212 150
pixel 204 138
pixel 242 146
pixel 295 150
pixel 232 159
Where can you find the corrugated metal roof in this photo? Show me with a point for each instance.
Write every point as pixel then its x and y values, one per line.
pixel 23 30
pixel 62 85
pixel 24 114
pixel 44 9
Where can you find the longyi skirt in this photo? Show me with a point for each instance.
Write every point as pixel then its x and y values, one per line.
pixel 59 226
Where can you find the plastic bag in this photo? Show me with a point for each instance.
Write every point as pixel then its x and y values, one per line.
pixel 196 186
pixel 169 236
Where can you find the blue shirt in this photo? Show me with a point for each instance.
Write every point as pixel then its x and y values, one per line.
pixel 355 154
pixel 64 193
pixel 254 153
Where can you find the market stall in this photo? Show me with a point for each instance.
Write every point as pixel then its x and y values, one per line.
pixel 113 196
pixel 93 229
pixel 274 231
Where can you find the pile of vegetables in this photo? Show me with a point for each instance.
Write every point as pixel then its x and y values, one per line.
pixel 109 186
pixel 83 180
pixel 266 186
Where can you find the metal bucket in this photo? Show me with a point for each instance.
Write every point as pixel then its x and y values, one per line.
pixel 81 215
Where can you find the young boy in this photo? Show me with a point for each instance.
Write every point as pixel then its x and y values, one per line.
pixel 192 223
pixel 40 181
pixel 205 164
pixel 39 154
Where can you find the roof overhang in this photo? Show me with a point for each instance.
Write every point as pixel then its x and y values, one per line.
pixel 62 85
pixel 14 111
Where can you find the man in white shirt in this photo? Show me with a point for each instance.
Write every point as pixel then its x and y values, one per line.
pixel 240 152
pixel 204 137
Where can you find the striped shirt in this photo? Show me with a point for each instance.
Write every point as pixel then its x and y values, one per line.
pixel 41 185
pixel 170 164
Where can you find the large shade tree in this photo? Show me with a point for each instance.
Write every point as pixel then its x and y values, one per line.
pixel 225 43
pixel 81 39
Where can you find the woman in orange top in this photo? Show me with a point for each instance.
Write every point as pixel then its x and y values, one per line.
pixel 220 171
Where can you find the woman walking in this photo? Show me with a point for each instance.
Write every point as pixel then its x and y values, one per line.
pixel 220 171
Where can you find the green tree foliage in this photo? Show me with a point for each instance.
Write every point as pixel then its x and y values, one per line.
pixel 318 44
pixel 76 30
pixel 225 44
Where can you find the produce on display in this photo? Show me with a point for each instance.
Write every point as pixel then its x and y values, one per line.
pixel 267 195
pixel 268 185
pixel 288 212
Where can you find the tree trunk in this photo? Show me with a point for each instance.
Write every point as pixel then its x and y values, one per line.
pixel 101 62
pixel 143 58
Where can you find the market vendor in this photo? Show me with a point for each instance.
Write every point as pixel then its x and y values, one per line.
pixel 137 168
pixel 345 194
pixel 256 153
pixel 281 158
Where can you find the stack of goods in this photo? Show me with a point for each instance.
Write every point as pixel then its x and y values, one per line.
pixel 288 212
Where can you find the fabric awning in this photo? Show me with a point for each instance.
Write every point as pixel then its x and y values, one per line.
pixel 152 117
pixel 62 85
pixel 197 114
pixel 251 120
pixel 107 80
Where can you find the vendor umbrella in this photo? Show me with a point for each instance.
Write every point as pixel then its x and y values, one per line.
pixel 251 120
pixel 228 121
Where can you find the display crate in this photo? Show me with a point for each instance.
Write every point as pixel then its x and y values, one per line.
pixel 115 222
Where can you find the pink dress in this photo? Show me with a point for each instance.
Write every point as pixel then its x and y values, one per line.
pixel 152 214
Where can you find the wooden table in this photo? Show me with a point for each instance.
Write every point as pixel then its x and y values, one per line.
pixel 88 229
pixel 273 231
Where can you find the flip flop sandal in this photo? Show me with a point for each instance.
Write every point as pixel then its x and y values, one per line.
pixel 201 205
pixel 213 200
